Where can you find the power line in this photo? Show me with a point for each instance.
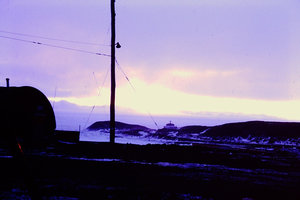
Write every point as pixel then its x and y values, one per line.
pixel 99 91
pixel 120 68
pixel 88 119
pixel 54 46
pixel 54 39
pixel 100 88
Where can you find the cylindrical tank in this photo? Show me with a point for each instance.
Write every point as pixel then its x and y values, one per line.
pixel 26 115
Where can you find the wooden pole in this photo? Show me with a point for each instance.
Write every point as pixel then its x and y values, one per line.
pixel 7 82
pixel 113 76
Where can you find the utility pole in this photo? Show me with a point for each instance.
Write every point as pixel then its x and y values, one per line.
pixel 113 75
pixel 7 82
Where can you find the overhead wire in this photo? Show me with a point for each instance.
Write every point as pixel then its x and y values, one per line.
pixel 54 46
pixel 77 50
pixel 65 48
pixel 133 88
pixel 53 39
pixel 99 92
pixel 119 67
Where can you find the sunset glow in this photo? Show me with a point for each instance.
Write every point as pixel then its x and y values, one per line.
pixel 160 100
pixel 178 58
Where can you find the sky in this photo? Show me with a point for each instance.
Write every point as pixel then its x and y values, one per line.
pixel 216 59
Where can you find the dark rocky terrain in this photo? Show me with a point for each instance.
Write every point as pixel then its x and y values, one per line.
pixel 127 129
pixel 241 129
pixel 254 132
pixel 203 168
pixel 256 128
pixel 89 170
pixel 119 126
pixel 192 129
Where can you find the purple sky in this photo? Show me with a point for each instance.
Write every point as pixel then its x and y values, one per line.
pixel 184 58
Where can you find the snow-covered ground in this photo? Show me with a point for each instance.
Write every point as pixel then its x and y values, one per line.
pixel 173 138
pixel 103 136
pixel 80 121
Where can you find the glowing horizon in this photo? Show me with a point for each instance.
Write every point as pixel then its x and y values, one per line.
pixel 160 100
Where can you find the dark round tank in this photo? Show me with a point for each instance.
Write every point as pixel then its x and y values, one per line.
pixel 26 115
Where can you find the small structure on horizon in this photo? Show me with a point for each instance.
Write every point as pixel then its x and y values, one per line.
pixel 170 126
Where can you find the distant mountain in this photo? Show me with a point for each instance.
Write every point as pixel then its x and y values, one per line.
pixel 192 129
pixel 256 129
pixel 240 129
pixel 119 125
pixel 65 106
pixel 252 132
pixel 128 129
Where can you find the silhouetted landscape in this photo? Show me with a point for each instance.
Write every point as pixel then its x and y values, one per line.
pixel 149 100
pixel 252 132
pixel 246 160
pixel 83 170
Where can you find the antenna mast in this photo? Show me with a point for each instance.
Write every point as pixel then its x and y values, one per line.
pixel 113 76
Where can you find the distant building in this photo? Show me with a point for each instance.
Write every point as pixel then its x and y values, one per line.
pixel 170 126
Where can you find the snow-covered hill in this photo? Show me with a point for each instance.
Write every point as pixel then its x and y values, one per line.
pixel 253 132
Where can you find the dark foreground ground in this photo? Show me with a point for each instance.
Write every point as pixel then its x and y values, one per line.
pixel 103 171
